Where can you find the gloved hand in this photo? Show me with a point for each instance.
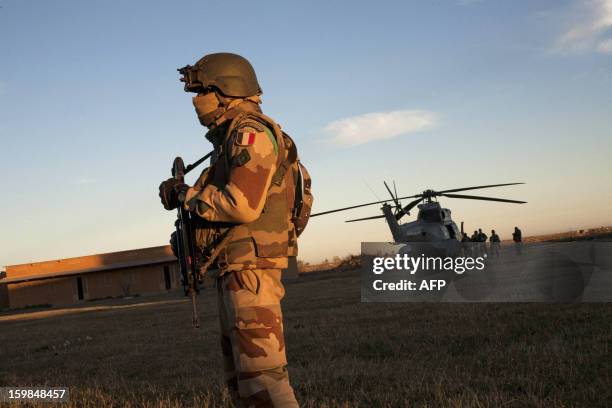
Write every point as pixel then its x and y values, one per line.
pixel 169 192
pixel 174 243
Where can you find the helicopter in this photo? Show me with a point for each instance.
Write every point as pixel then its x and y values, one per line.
pixel 433 223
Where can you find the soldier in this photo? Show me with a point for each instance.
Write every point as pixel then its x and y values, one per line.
pixel 247 192
pixel 517 237
pixel 482 239
pixel 495 243
pixel 475 247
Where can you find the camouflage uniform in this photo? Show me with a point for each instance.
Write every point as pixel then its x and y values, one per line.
pixel 245 191
pixel 252 338
pixel 246 200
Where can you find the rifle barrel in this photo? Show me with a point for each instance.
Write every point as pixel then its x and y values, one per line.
pixel 195 321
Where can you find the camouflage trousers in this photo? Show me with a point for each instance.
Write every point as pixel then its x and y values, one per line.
pixel 252 338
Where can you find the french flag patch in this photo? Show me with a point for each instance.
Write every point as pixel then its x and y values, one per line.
pixel 245 138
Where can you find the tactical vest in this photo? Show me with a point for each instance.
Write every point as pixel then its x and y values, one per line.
pixel 271 238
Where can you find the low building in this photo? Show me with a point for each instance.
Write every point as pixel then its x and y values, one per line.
pixel 72 280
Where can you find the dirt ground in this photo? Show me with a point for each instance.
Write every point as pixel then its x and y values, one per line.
pixel 342 353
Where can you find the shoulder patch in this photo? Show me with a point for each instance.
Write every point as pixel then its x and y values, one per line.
pixel 242 158
pixel 249 123
pixel 247 130
pixel 246 137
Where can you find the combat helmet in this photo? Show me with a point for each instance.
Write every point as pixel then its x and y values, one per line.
pixel 230 74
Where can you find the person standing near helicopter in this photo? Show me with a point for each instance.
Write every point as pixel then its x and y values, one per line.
pixel 517 237
pixel 495 243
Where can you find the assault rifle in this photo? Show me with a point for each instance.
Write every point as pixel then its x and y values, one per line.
pixel 186 248
pixel 185 240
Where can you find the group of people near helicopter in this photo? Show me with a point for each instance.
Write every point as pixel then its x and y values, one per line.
pixel 476 245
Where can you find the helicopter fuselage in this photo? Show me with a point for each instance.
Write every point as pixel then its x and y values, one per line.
pixel 433 224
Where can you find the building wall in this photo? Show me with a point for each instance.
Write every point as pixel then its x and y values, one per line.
pixel 132 281
pixel 48 292
pixel 4 299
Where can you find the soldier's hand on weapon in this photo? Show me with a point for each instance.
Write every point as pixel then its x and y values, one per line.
pixel 174 244
pixel 169 192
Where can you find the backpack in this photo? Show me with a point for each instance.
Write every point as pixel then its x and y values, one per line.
pixel 302 203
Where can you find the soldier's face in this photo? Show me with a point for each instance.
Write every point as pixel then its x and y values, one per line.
pixel 207 107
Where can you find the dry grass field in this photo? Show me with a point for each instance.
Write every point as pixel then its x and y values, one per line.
pixel 143 352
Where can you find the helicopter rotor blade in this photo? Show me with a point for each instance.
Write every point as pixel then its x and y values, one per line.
pixel 394 188
pixel 454 190
pixel 366 218
pixel 407 208
pixel 358 206
pixel 391 193
pixel 469 197
pixel 396 199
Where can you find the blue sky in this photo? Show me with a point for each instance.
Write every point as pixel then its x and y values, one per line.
pixel 92 113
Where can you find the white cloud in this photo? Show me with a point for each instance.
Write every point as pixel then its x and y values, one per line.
pixel 374 126
pixel 589 30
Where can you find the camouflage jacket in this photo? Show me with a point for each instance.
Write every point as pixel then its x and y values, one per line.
pixel 246 189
